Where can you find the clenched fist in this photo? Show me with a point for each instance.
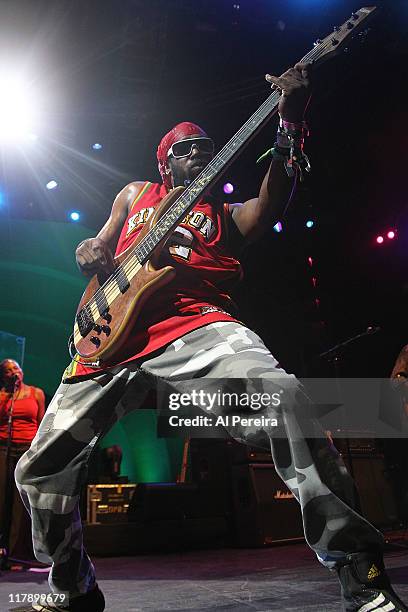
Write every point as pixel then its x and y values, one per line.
pixel 94 255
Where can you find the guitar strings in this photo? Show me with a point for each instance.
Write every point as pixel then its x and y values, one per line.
pixel 108 288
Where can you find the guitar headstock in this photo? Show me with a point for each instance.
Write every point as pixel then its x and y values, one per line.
pixel 342 35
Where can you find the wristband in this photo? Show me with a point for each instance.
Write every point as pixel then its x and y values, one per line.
pixel 290 127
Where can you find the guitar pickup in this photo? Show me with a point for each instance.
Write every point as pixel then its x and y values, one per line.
pixel 101 302
pixel 122 280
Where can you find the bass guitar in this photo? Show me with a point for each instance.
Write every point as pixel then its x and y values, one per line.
pixel 110 307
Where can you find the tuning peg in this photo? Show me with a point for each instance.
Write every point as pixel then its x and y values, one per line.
pixel 317 42
pixel 354 16
pixel 336 29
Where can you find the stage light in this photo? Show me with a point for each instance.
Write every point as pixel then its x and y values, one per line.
pixel 74 215
pixel 309 223
pixel 51 184
pixel 16 108
pixel 228 188
pixel 379 239
pixel 278 227
pixel 391 234
pixel 97 146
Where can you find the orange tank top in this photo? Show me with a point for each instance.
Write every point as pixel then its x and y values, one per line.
pixel 205 272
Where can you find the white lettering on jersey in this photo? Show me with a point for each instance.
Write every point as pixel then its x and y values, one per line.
pixel 139 218
pixel 180 243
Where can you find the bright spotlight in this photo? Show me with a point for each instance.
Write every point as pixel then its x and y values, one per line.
pixel 74 216
pixel 97 146
pixel 391 234
pixel 309 223
pixel 379 239
pixel 51 184
pixel 16 115
pixel 278 227
pixel 228 188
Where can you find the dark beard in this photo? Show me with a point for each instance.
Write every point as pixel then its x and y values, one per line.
pixel 183 180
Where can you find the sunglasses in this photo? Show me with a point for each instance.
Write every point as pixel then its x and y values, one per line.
pixel 183 148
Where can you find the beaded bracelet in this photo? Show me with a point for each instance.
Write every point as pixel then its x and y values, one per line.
pixel 289 147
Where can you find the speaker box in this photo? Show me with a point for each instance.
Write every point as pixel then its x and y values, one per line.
pixel 211 472
pixel 375 490
pixel 165 501
pixel 264 510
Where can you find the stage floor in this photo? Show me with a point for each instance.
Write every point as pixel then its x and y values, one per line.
pixel 278 578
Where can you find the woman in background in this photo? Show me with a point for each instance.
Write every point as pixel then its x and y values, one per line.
pixel 28 405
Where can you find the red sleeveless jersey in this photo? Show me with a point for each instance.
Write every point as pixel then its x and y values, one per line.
pixel 205 271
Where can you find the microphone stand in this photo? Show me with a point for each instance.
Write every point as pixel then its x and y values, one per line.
pixel 334 355
pixel 8 487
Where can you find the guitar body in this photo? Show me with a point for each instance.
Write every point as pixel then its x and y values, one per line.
pixel 111 330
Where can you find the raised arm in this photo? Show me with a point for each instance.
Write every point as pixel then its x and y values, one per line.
pixel 96 254
pixel 257 214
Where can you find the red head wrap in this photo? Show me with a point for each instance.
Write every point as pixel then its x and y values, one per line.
pixel 179 132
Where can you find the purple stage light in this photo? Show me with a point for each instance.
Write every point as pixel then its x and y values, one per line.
pixel 379 239
pixel 228 188
pixel 391 234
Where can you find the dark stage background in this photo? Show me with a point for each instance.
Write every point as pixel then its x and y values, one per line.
pixel 122 74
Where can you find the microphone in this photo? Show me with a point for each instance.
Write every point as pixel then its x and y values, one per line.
pixel 14 382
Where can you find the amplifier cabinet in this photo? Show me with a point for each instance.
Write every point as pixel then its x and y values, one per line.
pixel 264 510
pixel 108 503
pixel 375 491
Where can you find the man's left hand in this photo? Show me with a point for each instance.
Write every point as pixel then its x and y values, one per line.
pixel 296 91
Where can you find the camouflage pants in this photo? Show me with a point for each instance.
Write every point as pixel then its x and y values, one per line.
pixel 50 474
